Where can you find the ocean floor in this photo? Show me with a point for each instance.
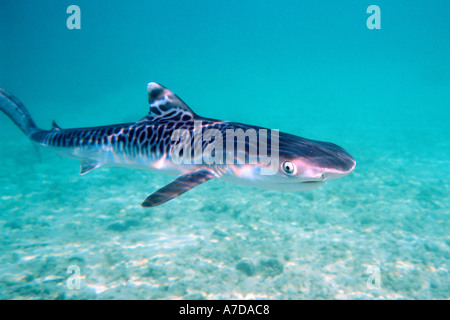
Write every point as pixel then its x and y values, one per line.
pixel 222 241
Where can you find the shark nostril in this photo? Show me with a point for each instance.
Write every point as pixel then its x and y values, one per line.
pixel 329 176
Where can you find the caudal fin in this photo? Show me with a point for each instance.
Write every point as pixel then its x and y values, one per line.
pixel 15 109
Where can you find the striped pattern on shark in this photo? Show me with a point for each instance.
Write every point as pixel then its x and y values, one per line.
pixel 148 144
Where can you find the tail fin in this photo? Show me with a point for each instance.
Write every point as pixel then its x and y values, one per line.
pixel 15 109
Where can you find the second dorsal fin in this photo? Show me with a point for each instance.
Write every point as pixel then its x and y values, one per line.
pixel 55 126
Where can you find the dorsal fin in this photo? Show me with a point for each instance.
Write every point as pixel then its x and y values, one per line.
pixel 55 126
pixel 163 101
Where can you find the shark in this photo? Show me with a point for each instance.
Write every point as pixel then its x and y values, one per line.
pixel 172 139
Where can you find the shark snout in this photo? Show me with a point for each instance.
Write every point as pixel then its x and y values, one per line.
pixel 335 167
pixel 327 163
pixel 330 175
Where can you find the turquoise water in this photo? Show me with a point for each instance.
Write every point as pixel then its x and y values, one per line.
pixel 307 68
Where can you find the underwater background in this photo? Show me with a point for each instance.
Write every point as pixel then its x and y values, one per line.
pixel 309 68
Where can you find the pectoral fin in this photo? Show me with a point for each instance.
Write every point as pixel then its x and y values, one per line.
pixel 177 187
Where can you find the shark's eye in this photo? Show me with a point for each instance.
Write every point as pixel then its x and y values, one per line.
pixel 289 167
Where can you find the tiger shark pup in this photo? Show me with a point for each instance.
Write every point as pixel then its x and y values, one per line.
pixel 173 139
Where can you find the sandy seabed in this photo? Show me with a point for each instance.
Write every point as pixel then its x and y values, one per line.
pixel 221 241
